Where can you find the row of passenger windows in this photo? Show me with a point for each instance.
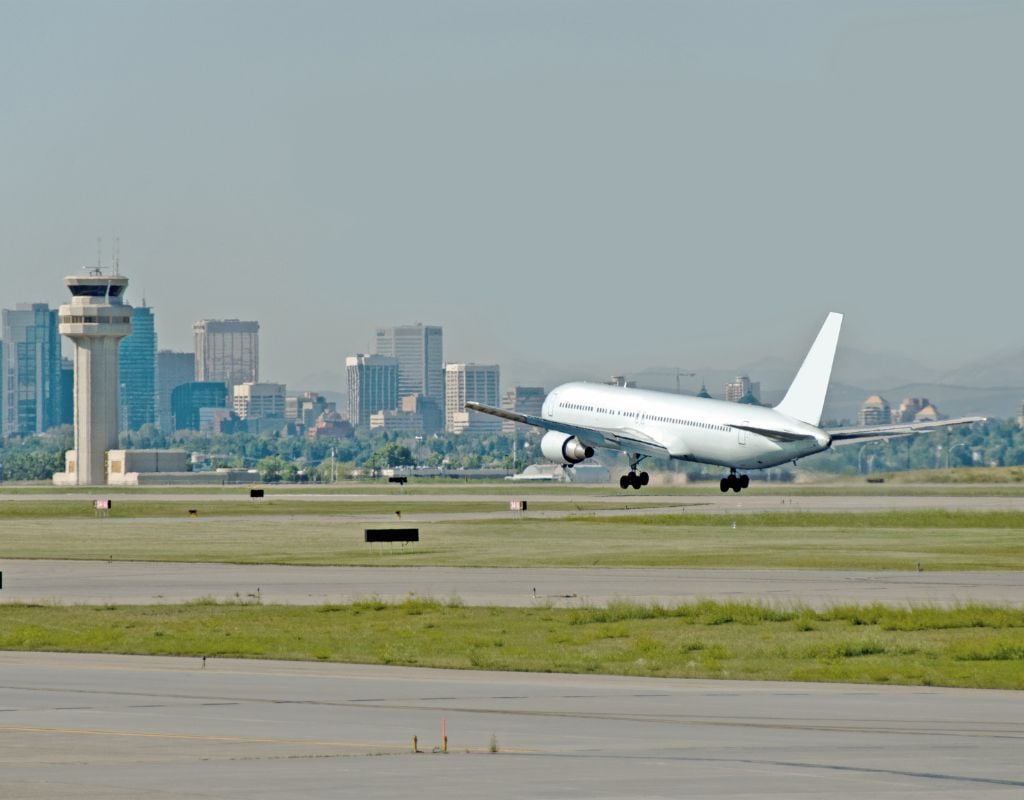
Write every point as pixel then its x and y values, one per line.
pixel 672 420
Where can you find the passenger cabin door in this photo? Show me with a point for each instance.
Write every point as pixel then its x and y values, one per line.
pixel 741 435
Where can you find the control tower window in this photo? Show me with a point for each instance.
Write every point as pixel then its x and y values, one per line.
pixel 95 290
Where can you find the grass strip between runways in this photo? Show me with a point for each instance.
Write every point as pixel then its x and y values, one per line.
pixel 968 646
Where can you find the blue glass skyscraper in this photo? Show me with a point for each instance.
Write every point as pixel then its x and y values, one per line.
pixel 137 371
pixel 30 379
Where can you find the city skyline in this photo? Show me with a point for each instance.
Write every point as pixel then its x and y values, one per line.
pixel 844 399
pixel 741 168
pixel 889 367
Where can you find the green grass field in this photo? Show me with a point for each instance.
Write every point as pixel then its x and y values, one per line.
pixel 971 646
pixel 884 540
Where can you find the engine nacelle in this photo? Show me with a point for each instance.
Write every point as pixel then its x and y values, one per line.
pixel 564 448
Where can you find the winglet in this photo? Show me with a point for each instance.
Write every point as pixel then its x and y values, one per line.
pixel 806 395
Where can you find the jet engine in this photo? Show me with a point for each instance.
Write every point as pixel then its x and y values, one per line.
pixel 564 448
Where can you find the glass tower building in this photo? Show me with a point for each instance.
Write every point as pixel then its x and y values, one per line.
pixel 30 379
pixel 172 370
pixel 189 399
pixel 137 369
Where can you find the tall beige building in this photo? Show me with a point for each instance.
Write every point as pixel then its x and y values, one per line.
pixel 227 351
pixel 738 389
pixel 477 382
pixel 420 352
pixel 259 400
pixel 372 386
pixel 524 400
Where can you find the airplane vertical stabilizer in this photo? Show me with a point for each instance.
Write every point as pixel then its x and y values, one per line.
pixel 806 395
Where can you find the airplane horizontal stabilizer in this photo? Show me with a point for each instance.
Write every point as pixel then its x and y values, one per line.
pixel 849 435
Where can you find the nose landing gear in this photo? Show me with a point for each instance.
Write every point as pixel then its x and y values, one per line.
pixel 734 482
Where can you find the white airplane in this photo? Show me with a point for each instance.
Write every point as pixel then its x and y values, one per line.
pixel 580 417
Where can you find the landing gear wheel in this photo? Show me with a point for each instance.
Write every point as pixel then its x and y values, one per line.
pixel 734 483
pixel 644 479
pixel 744 481
pixel 724 484
pixel 624 482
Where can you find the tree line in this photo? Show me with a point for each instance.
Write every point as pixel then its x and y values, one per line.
pixel 290 458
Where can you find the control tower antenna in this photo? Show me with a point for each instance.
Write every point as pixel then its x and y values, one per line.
pixel 117 255
pixel 99 253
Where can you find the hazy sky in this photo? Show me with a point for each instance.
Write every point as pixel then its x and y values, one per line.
pixel 604 186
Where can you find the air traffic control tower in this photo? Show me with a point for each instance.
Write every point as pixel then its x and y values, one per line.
pixel 96 320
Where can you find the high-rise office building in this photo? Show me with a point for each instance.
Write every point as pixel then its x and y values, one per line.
pixel 741 388
pixel 259 400
pixel 227 351
pixel 476 382
pixel 172 370
pixel 137 371
pixel 522 400
pixel 30 378
pixel 420 353
pixel 372 386
pixel 189 400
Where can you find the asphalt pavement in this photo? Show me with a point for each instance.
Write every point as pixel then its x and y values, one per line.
pixel 86 727
pixel 128 582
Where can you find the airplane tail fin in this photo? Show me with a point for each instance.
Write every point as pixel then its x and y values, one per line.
pixel 806 395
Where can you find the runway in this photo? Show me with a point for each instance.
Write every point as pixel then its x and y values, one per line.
pixel 85 727
pixel 101 582
pixel 648 501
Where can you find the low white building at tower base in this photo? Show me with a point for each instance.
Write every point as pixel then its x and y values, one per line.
pixel 155 468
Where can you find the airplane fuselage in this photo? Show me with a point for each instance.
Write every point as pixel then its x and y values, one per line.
pixel 693 429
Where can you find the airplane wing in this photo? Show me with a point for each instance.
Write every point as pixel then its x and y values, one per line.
pixel 632 441
pixel 842 436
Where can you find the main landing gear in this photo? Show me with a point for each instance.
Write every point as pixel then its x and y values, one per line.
pixel 734 482
pixel 634 478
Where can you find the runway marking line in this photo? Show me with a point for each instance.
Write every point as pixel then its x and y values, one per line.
pixel 192 737
pixel 374 748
